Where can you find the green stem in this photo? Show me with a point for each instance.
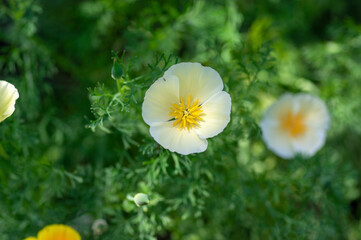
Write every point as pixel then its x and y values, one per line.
pixel 119 82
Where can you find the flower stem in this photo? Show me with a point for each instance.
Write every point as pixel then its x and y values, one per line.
pixel 119 82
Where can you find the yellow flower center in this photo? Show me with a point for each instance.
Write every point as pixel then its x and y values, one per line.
pixel 293 123
pixel 186 115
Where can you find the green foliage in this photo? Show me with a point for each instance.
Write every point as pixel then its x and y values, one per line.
pixel 55 170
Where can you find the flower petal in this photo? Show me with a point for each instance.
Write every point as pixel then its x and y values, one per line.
pixel 196 80
pixel 58 231
pixel 176 140
pixel 217 111
pixel 309 143
pixel 314 110
pixel 158 99
pixel 8 96
pixel 276 139
pixel 282 105
pixel 317 121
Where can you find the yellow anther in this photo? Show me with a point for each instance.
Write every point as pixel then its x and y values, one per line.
pixel 186 115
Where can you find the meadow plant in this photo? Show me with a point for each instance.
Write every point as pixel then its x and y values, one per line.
pixel 78 158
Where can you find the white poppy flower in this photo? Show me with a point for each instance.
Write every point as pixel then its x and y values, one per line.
pixel 185 107
pixel 8 96
pixel 295 124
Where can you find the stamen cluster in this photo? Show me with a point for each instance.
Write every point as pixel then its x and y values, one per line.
pixel 186 115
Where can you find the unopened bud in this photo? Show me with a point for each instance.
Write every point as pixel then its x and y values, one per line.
pixel 141 199
pixel 99 226
pixel 117 71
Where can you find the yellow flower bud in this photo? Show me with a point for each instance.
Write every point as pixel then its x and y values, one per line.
pixel 8 96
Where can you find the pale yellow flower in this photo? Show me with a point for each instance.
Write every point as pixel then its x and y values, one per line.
pixel 185 107
pixel 8 96
pixel 295 124
pixel 56 232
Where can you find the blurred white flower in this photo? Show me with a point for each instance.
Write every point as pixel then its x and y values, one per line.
pixel 8 96
pixel 295 124
pixel 185 107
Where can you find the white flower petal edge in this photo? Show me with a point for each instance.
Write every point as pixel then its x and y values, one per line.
pixel 295 124
pixel 186 106
pixel 158 99
pixel 8 96
pixel 315 110
pixel 183 142
pixel 196 80
pixel 217 111
pixel 276 140
pixel 310 143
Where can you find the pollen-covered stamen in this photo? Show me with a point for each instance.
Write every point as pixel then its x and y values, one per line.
pixel 293 123
pixel 186 115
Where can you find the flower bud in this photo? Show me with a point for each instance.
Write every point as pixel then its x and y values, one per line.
pixel 99 226
pixel 8 96
pixel 117 71
pixel 141 199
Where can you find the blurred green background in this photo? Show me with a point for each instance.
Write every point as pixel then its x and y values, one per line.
pixel 72 155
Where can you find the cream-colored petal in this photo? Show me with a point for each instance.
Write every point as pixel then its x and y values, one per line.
pixel 8 90
pixel 309 143
pixel 8 96
pixel 181 141
pixel 216 115
pixel 314 110
pixel 159 98
pixel 282 105
pixel 277 140
pixel 317 121
pixel 196 80
pixel 274 137
pixel 8 113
